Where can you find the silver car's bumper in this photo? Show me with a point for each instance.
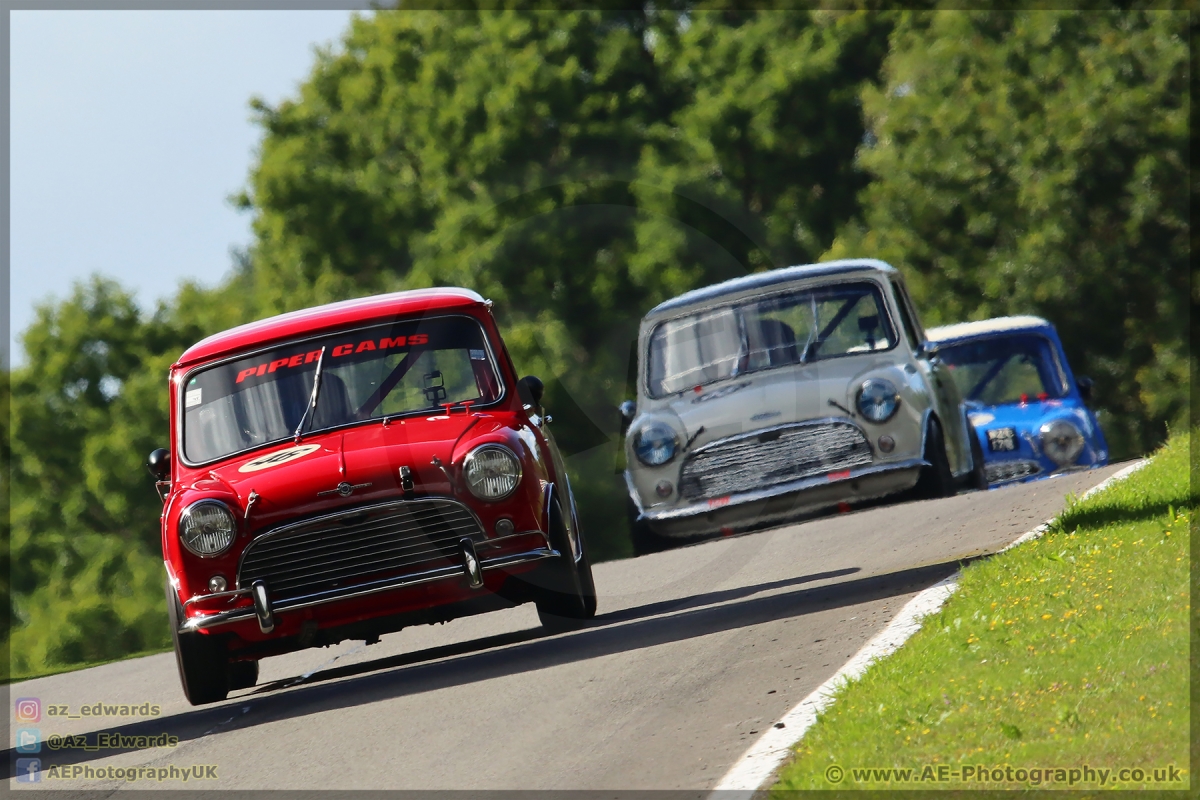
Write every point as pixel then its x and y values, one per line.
pixel 802 496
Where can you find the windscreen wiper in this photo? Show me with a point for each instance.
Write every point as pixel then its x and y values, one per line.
pixel 312 400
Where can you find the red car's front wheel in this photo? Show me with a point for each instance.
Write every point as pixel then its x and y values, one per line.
pixel 204 669
pixel 567 595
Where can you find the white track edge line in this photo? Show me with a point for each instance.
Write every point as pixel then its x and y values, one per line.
pixel 765 756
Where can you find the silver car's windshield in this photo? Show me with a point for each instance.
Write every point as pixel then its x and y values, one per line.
pixel 775 331
pixel 417 365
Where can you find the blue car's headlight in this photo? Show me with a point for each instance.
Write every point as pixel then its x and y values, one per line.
pixel 655 444
pixel 878 400
pixel 1061 441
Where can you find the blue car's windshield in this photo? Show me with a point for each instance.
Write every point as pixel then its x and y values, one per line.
pixel 1009 369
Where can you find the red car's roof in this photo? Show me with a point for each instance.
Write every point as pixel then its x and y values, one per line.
pixel 307 321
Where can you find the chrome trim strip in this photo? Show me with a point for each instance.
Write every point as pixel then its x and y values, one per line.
pixel 500 541
pixel 215 596
pixel 705 507
pixel 451 571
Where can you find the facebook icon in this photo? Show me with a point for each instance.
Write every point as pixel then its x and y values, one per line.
pixel 29 770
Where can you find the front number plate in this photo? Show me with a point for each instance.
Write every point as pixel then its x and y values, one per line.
pixel 1002 440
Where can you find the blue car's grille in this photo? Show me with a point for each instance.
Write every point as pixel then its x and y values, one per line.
pixel 1004 471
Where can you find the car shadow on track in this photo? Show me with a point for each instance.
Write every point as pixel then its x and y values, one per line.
pixel 514 653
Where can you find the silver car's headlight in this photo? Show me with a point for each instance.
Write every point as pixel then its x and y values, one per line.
pixel 492 472
pixel 1061 441
pixel 655 444
pixel 207 528
pixel 878 400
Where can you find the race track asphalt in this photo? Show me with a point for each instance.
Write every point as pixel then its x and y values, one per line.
pixel 692 653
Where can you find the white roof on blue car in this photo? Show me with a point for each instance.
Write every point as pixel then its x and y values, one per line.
pixel 762 280
pixel 965 330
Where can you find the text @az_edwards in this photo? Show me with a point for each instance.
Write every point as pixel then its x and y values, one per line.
pixel 1037 776
pixel 110 741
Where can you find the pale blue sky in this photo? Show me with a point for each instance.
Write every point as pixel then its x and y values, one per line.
pixel 128 131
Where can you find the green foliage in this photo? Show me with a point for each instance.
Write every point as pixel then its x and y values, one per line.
pixel 82 527
pixel 755 170
pixel 1036 162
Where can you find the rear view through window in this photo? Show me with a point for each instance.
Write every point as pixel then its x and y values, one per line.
pixel 1009 369
pixel 413 366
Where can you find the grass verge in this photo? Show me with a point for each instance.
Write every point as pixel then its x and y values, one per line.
pixel 1064 655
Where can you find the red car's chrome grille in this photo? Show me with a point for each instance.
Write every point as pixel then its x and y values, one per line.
pixel 772 456
pixel 357 546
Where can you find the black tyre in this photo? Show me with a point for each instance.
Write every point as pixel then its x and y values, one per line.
pixel 242 674
pixel 936 480
pixel 566 595
pixel 645 540
pixel 979 478
pixel 203 667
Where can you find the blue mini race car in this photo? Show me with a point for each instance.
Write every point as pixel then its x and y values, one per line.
pixel 1027 408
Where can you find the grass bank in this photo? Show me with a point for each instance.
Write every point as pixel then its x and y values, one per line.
pixel 1057 664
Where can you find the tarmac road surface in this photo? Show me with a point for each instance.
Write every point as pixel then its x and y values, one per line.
pixel 693 653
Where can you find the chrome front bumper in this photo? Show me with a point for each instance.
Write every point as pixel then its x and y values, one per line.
pixel 779 490
pixel 334 595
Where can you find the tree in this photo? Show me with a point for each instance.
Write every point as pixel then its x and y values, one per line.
pixel 1036 162
pixel 83 525
pixel 549 161
pixel 755 169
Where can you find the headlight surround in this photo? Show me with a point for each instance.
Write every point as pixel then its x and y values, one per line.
pixel 207 528
pixel 877 400
pixel 492 472
pixel 655 444
pixel 1061 441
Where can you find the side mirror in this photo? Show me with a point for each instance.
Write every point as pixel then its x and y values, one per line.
pixel 1085 387
pixel 530 390
pixel 159 464
pixel 628 411
pixel 929 350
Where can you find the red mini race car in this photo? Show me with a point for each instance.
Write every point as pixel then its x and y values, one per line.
pixel 346 471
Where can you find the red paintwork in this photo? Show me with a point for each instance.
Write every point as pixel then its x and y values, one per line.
pixel 369 452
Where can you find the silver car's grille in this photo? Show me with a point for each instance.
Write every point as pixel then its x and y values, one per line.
pixel 1001 471
pixel 765 458
pixel 358 545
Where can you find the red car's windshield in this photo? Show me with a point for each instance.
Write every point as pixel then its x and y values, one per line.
pixel 404 367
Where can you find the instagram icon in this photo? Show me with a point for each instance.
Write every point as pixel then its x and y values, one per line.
pixel 29 709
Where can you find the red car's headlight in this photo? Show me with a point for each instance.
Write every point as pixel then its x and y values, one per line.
pixel 492 472
pixel 207 528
